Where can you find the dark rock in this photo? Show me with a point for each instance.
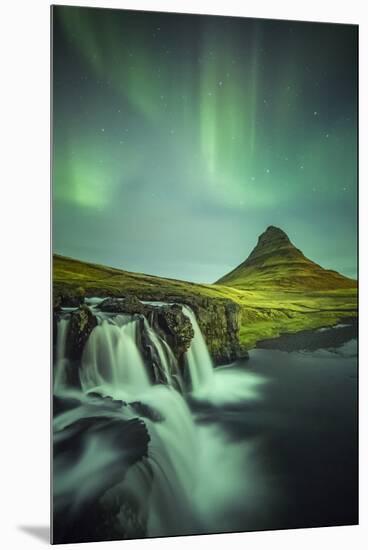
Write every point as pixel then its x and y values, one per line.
pixel 63 404
pixel 95 395
pixel 54 333
pixel 82 322
pixel 177 328
pixel 219 321
pixel 67 297
pixel 146 411
pixel 171 323
pixel 130 305
pixel 218 318
pixel 112 403
pixel 71 301
pixel 56 302
pixel 94 519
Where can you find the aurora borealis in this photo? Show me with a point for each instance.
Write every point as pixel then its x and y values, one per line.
pixel 178 139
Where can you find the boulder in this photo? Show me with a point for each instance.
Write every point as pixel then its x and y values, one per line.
pixel 146 411
pixel 130 305
pixel 82 322
pixel 174 326
pixel 56 302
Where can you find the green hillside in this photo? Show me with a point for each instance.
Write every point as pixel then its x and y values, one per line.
pixel 264 313
pixel 275 263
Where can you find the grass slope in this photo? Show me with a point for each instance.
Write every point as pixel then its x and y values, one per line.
pixel 275 263
pixel 264 313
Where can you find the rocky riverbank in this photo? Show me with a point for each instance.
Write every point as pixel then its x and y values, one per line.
pixel 217 318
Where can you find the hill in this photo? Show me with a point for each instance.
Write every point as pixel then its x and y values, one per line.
pixel 262 310
pixel 275 263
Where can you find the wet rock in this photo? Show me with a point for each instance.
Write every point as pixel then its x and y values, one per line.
pixel 219 321
pixel 96 397
pixel 130 305
pixel 82 322
pixel 175 326
pixel 146 411
pixel 63 404
pixel 171 323
pixel 56 302
pixel 67 297
pixel 96 518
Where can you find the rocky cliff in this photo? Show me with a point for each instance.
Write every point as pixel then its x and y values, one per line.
pixel 219 320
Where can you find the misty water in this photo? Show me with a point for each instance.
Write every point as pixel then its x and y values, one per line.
pixel 266 443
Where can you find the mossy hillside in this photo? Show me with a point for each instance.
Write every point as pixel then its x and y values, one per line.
pixel 275 264
pixel 261 313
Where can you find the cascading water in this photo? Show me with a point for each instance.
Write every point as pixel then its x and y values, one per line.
pixel 112 363
pixel 168 364
pixel 61 360
pixel 198 359
pixel 167 491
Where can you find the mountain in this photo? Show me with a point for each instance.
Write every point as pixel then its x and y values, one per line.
pixel 275 263
pixel 276 290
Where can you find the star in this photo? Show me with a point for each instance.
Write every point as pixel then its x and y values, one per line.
pixel 102 129
pixel 267 170
pixel 220 83
pixel 315 113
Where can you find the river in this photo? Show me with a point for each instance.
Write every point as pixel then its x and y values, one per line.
pixel 266 443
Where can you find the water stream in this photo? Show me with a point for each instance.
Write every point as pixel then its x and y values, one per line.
pixel 207 467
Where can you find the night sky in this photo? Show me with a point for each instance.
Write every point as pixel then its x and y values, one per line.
pixel 178 139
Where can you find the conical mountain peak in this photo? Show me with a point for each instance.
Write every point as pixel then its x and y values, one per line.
pixel 272 242
pixel 273 235
pixel 276 263
pixel 273 232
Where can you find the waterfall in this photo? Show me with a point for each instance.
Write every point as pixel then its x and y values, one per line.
pixel 61 361
pixel 173 487
pixel 168 365
pixel 165 482
pixel 198 359
pixel 112 362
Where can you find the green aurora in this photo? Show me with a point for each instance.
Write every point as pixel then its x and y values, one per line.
pixel 179 138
